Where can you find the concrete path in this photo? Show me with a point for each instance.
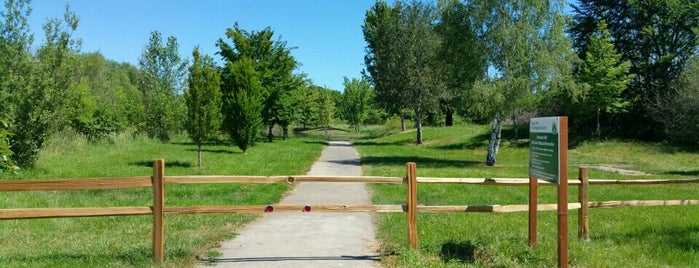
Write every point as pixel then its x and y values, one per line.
pixel 312 239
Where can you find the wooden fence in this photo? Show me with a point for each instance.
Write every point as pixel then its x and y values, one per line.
pixel 411 208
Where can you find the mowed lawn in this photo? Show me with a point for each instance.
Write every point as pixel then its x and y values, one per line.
pixel 126 241
pixel 665 236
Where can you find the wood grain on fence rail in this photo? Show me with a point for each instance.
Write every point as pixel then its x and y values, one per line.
pixel 223 179
pixel 40 213
pixel 642 203
pixel 75 184
pixel 277 179
pixel 525 182
pixel 284 208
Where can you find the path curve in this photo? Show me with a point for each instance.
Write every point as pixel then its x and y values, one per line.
pixel 316 239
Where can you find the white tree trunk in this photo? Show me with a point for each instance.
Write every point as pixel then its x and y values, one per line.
pixel 494 144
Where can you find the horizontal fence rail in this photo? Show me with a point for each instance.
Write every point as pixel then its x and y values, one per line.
pixel 411 208
pixel 75 184
pixel 40 213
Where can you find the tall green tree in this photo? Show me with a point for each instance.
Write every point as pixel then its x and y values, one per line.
pixel 288 104
pixel 404 66
pixel 43 104
pixel 242 102
pixel 356 100
pixel 308 102
pixel 462 57
pixel 273 64
pixel 382 29
pixel 529 53
pixel 605 76
pixel 658 38
pixel 203 99
pixel 681 112
pixel 15 58
pixel 161 86
pixel 326 109
pixel 107 86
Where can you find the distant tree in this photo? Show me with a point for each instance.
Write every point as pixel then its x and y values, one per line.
pixel 242 102
pixel 529 53
pixel 161 83
pixel 288 104
pixel 273 64
pixel 327 109
pixel 681 112
pixel 605 76
pixel 461 55
pixel 16 66
pixel 107 100
pixel 658 38
pixel 308 102
pixel 15 58
pixel 382 28
pixel 401 57
pixel 43 104
pixel 356 100
pixel 203 99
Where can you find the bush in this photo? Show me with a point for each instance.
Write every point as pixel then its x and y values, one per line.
pixel 6 163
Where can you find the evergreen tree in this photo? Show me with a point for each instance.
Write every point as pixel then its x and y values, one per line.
pixel 604 75
pixel 658 38
pixel 203 99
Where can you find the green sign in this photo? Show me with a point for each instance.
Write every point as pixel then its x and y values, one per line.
pixel 544 157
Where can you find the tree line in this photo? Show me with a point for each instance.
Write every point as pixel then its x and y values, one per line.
pixel 615 68
pixel 57 87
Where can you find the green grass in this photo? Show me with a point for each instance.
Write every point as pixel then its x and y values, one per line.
pixel 621 237
pixel 126 241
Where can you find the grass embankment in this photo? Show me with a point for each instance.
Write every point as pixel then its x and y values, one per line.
pixel 620 237
pixel 126 241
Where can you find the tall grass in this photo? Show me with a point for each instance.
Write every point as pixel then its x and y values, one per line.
pixel 621 237
pixel 126 241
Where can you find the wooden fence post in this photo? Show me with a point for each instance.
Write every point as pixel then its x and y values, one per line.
pixel 533 210
pixel 583 198
pixel 158 204
pixel 412 203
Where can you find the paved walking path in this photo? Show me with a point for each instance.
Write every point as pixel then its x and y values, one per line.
pixel 315 239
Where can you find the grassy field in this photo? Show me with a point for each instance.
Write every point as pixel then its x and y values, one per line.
pixel 126 241
pixel 620 237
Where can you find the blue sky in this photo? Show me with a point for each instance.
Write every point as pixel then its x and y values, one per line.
pixel 327 34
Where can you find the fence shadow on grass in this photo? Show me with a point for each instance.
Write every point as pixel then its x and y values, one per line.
pixel 216 151
pixel 678 237
pixel 684 173
pixel 424 162
pixel 167 163
pixel 463 252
